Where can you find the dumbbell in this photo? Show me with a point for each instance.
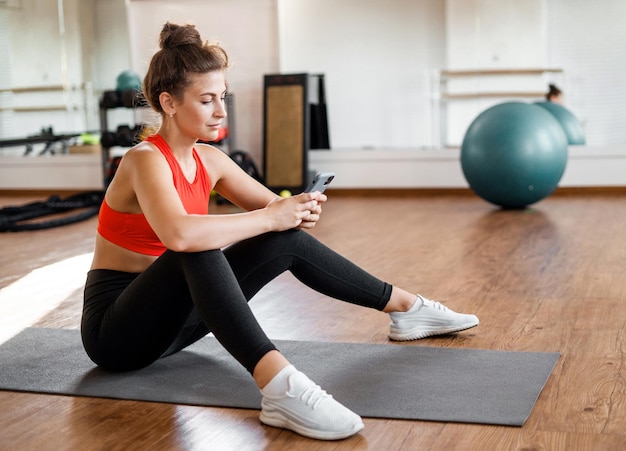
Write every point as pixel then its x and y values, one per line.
pixel 108 139
pixel 111 99
pixel 125 136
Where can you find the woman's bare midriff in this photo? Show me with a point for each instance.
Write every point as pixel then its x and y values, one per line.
pixel 111 256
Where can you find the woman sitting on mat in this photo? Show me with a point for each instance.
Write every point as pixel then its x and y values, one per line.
pixel 165 272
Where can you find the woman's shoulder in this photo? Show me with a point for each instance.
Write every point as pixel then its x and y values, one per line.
pixel 143 147
pixel 143 157
pixel 210 153
pixel 207 148
pixel 142 151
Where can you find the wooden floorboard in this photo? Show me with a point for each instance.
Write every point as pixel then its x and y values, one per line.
pixel 547 278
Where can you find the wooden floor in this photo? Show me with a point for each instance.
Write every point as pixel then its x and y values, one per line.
pixel 549 278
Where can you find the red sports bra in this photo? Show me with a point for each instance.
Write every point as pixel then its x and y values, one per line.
pixel 132 231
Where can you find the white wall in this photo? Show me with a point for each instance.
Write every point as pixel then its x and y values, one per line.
pixel 588 39
pixel 45 48
pixel 112 50
pixel 491 34
pixel 378 59
pixel 36 61
pixel 354 41
pixel 112 56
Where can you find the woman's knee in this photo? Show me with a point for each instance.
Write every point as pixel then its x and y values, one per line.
pixel 288 242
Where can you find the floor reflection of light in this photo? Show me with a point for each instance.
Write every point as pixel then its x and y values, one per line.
pixel 28 299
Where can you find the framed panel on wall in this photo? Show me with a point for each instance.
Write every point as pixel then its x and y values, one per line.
pixel 286 131
pixel 295 120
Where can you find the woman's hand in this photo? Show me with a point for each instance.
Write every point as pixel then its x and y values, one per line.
pixel 311 220
pixel 301 211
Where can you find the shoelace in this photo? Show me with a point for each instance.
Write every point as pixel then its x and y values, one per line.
pixel 312 395
pixel 433 304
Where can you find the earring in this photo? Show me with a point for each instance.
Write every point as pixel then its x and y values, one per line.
pixel 171 114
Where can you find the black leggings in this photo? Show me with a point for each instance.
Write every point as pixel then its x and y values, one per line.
pixel 130 320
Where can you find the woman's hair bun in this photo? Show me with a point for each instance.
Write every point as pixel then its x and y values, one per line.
pixel 173 35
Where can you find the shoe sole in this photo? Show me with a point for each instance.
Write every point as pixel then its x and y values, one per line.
pixel 280 421
pixel 417 333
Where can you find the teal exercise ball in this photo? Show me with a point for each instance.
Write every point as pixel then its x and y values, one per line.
pixel 514 154
pixel 128 80
pixel 571 125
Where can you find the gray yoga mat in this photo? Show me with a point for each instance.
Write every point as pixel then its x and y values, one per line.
pixel 375 380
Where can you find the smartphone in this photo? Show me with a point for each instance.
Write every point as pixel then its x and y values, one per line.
pixel 320 182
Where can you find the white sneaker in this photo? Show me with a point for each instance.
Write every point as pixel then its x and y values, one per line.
pixel 308 410
pixel 427 318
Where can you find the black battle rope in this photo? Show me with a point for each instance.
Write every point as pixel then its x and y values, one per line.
pixel 16 218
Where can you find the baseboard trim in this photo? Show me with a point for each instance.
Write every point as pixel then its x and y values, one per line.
pixel 424 192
